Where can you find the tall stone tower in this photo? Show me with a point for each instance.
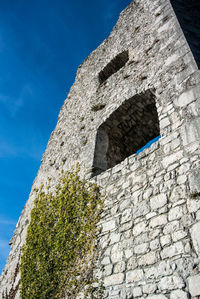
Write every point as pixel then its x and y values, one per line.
pixel 141 83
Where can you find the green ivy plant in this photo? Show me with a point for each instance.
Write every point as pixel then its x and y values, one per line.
pixel 59 254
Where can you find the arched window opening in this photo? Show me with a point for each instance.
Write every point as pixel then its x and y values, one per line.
pixel 113 66
pixel 188 15
pixel 126 131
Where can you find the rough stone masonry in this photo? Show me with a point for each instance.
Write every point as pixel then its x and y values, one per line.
pixel 142 82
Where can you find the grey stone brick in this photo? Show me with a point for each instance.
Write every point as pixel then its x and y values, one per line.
pixel 195 234
pixel 158 201
pixel 134 276
pixel 175 213
pixel 194 285
pixel 137 292
pixel 149 258
pixel 114 279
pixel 178 294
pixel 173 250
pixel 171 283
pixel 158 221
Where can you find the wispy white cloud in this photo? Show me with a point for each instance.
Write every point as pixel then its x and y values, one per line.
pixel 19 101
pixel 14 104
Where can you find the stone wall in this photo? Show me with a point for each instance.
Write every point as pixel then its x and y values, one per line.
pixel 150 240
pixel 149 243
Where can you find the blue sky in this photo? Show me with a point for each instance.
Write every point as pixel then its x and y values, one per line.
pixel 42 42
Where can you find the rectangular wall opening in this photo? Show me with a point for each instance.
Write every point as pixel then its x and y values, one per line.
pixel 126 131
pixel 113 66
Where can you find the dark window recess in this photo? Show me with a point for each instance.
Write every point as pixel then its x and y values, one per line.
pixel 126 131
pixel 188 15
pixel 113 66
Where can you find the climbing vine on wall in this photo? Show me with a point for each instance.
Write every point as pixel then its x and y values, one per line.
pixel 59 255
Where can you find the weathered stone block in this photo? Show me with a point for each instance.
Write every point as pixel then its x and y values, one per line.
pixel 155 244
pixel 149 288
pixel 181 179
pixel 171 227
pixel 115 293
pixel 165 240
pixel 158 221
pixel 119 267
pixel 154 233
pixel 137 292
pixel 125 204
pixel 126 226
pixel 114 279
pixel 141 248
pixel 194 181
pixel 114 238
pixel 134 276
pixel 175 213
pixel 126 215
pixel 139 228
pixel 116 256
pixel 164 122
pixel 195 234
pixel 105 261
pixel 172 158
pixel 191 131
pixel 172 250
pixel 108 269
pixel 158 201
pixel 148 259
pixel 141 209
pixel 178 193
pixel 178 294
pixel 171 283
pixel 132 263
pixel 188 96
pixel 176 236
pixel 141 239
pixel 193 204
pixel 171 59
pixel 109 225
pixel 147 193
pixel 194 285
